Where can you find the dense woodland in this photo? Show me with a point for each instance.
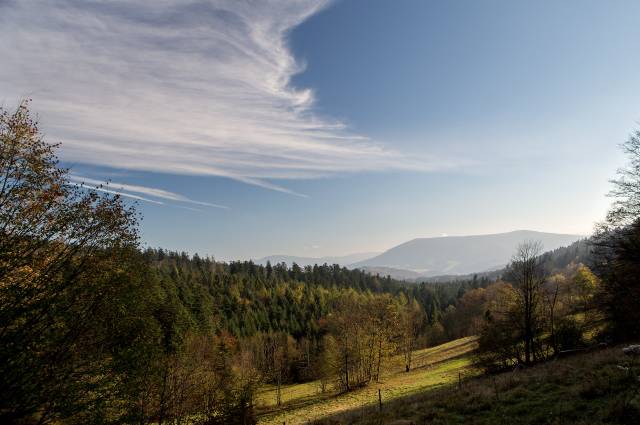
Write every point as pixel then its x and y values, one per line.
pixel 94 329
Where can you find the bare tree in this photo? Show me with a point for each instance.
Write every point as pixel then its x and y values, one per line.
pixel 384 321
pixel 551 292
pixel 277 347
pixel 616 250
pixel 626 188
pixel 527 277
pixel 362 331
pixel 412 323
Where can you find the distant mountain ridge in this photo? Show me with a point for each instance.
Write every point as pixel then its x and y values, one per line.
pixel 344 260
pixel 399 274
pixel 458 255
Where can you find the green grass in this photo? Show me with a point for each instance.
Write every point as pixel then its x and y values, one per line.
pixel 591 388
pixel 432 368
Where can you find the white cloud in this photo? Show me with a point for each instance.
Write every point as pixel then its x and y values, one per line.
pixel 124 194
pixel 128 190
pixel 181 87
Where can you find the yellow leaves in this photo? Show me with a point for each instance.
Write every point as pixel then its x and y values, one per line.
pixel 585 279
pixel 18 276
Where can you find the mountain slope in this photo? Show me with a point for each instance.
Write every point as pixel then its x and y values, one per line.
pixel 453 255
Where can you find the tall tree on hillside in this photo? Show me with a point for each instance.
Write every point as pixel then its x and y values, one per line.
pixel 515 318
pixel 412 324
pixel 354 340
pixel 626 187
pixel 551 296
pixel 70 300
pixel 278 350
pixel 527 277
pixel 383 314
pixel 617 249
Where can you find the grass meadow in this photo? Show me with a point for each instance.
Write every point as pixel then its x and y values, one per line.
pixel 432 368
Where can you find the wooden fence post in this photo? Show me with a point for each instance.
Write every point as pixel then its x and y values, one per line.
pixel 380 399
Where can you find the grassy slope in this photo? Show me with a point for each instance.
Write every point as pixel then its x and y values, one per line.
pixel 591 388
pixel 433 367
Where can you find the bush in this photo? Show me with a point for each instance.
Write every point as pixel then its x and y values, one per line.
pixel 569 335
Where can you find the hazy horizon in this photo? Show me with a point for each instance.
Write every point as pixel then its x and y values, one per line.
pixel 374 253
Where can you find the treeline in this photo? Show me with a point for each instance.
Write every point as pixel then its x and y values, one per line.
pixel 243 298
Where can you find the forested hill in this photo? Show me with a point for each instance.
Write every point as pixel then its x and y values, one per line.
pixel 579 252
pixel 243 298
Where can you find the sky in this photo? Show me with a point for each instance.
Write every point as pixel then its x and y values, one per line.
pixel 308 127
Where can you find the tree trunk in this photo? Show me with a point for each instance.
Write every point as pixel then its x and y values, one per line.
pixel 278 390
pixel 407 357
pixel 379 360
pixel 163 397
pixel 346 369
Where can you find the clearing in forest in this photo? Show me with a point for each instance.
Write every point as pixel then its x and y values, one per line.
pixel 432 367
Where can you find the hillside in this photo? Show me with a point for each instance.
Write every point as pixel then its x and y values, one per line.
pixel 459 255
pixel 434 367
pixel 592 388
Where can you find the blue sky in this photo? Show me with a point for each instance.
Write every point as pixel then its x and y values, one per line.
pixel 326 128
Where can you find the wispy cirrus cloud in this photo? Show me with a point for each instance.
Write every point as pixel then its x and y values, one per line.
pixel 106 189
pixel 176 86
pixel 135 192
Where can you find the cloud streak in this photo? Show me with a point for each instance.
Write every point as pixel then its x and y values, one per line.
pixel 124 194
pixel 134 192
pixel 180 87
